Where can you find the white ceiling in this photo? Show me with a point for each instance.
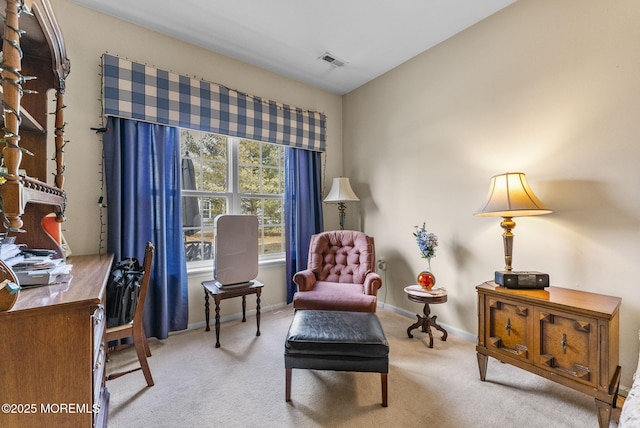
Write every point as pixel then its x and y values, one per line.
pixel 289 36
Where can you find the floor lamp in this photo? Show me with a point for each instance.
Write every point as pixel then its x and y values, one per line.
pixel 340 193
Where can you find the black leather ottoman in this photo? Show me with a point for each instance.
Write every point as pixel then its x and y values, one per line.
pixel 336 340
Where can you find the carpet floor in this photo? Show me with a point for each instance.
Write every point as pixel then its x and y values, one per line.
pixel 241 384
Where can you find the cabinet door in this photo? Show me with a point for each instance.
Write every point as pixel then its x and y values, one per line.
pixel 509 327
pixel 567 344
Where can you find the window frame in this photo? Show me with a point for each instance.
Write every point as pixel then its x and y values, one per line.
pixel 234 198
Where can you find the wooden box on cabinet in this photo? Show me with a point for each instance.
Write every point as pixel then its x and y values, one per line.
pixel 52 351
pixel 568 336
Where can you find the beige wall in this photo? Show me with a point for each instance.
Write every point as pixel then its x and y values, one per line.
pixel 88 35
pixel 547 87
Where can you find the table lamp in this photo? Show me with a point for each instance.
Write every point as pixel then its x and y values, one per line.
pixel 510 196
pixel 340 193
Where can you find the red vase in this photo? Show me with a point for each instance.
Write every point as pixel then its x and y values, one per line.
pixel 426 279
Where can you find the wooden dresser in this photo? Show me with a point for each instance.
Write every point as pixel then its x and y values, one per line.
pixel 52 351
pixel 568 336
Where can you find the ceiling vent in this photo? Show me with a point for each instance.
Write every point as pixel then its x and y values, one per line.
pixel 331 59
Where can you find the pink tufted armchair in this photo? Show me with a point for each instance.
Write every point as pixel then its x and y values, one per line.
pixel 340 273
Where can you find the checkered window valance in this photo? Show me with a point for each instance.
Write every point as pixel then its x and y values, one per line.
pixel 138 91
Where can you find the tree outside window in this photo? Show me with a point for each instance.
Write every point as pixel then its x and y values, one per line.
pixel 228 175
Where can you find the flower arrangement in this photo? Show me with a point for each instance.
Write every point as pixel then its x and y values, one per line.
pixel 427 241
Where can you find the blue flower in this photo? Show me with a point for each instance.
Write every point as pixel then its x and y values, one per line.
pixel 427 241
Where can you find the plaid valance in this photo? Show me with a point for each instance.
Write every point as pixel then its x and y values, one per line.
pixel 138 91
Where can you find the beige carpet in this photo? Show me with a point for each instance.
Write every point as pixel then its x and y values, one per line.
pixel 241 384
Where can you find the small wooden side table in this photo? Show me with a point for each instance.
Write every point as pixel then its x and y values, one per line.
pixel 415 294
pixel 211 289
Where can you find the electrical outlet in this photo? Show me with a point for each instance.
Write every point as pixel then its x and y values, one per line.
pixel 382 264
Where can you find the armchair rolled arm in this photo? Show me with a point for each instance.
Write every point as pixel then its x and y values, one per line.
pixel 305 280
pixel 372 283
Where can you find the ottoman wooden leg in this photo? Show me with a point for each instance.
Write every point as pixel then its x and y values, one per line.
pixel 287 385
pixel 383 380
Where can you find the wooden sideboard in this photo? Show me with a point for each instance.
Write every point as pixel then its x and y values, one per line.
pixel 568 336
pixel 52 351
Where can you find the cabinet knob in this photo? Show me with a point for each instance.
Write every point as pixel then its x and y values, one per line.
pixel 563 342
pixel 508 327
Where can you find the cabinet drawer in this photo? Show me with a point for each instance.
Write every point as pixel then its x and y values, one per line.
pixel 568 344
pixel 509 328
pixel 98 373
pixel 98 320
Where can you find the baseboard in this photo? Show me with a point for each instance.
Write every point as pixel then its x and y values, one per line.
pixel 450 329
pixel 235 316
pixel 273 308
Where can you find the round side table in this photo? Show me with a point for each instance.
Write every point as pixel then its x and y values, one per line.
pixel 416 294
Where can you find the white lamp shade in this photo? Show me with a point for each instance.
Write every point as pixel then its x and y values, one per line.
pixel 511 196
pixel 341 191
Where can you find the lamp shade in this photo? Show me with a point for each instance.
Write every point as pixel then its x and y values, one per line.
pixel 341 191
pixel 511 196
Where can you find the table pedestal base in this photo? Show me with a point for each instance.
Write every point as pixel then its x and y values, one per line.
pixel 426 323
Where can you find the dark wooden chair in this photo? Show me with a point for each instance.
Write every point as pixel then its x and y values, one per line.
pixel 135 329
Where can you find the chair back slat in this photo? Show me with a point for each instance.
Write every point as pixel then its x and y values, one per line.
pixel 144 283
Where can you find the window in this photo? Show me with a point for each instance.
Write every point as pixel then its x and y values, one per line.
pixel 228 175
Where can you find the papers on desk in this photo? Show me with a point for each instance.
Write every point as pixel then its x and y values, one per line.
pixel 40 270
pixel 12 261
pixel 8 251
pixel 32 266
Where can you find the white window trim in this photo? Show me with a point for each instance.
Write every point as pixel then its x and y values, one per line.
pixel 233 204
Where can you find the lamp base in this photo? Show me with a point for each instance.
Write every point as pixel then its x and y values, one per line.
pixel 342 213
pixel 522 279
